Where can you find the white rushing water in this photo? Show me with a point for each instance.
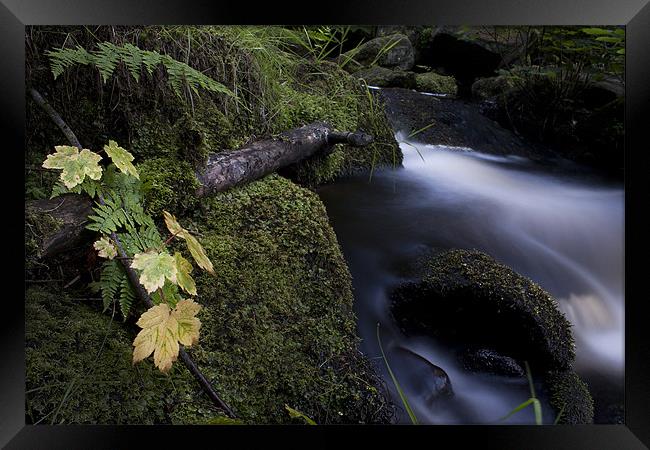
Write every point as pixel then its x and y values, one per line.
pixel 563 231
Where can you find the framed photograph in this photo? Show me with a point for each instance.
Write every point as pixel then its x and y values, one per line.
pixel 379 221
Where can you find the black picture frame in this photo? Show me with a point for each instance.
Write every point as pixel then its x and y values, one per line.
pixel 635 14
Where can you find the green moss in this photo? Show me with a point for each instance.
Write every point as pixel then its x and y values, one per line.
pixel 277 328
pixel 325 92
pixel 468 295
pixel 278 322
pixel 78 370
pixel 168 184
pixel 569 394
pixel 485 88
pixel 38 225
pixel 436 83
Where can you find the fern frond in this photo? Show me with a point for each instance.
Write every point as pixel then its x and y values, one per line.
pixel 109 217
pixel 127 297
pixel 108 55
pixel 110 281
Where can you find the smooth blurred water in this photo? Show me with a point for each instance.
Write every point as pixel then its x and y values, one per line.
pixel 562 230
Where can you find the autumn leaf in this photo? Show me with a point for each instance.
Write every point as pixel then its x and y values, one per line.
pixel 163 329
pixel 172 224
pixel 188 324
pixel 184 268
pixel 105 248
pixel 121 158
pixel 198 253
pixel 193 245
pixel 155 268
pixel 75 165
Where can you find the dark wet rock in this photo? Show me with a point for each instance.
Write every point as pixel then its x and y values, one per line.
pixel 570 395
pixel 486 360
pixel 466 59
pixel 394 51
pixel 436 83
pixel 457 123
pixel 469 298
pixel 383 77
pixel 584 125
pixel 439 380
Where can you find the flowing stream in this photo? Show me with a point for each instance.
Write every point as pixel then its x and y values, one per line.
pixel 562 230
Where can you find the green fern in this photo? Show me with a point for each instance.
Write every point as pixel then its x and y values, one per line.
pixel 108 56
pixel 111 280
pixel 109 217
pixel 127 297
pixel 89 186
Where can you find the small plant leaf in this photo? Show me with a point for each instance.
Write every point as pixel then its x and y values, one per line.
pixel 295 414
pixel 172 224
pixel 193 245
pixel 105 248
pixel 75 165
pixel 158 336
pixel 121 158
pixel 518 408
pixel 155 268
pixel 188 324
pixel 163 329
pixel 198 253
pixel 402 396
pixel 184 268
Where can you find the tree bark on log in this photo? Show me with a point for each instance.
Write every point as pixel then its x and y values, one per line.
pixel 227 169
pixel 223 171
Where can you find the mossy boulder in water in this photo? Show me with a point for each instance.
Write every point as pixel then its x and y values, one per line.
pixel 570 395
pixel 487 88
pixel 471 301
pixel 468 296
pixel 435 83
pixel 383 77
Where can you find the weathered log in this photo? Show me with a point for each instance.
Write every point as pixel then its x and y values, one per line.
pixel 68 231
pixel 227 169
pixel 223 171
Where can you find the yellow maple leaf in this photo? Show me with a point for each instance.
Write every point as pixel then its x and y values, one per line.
pixel 163 329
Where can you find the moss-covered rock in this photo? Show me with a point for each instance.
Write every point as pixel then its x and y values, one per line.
pixel 169 184
pixel 278 325
pixel 277 328
pixel 472 301
pixel 278 321
pixel 383 77
pixel 436 83
pixel 78 370
pixel 486 88
pixel 569 395
pixel 469 297
pixel 309 98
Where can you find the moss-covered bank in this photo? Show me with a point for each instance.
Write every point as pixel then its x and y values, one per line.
pixel 278 325
pixel 276 90
pixel 278 328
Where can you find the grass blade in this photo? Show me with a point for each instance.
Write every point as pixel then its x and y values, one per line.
pixel 402 396
pixel 518 408
pixel 426 127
